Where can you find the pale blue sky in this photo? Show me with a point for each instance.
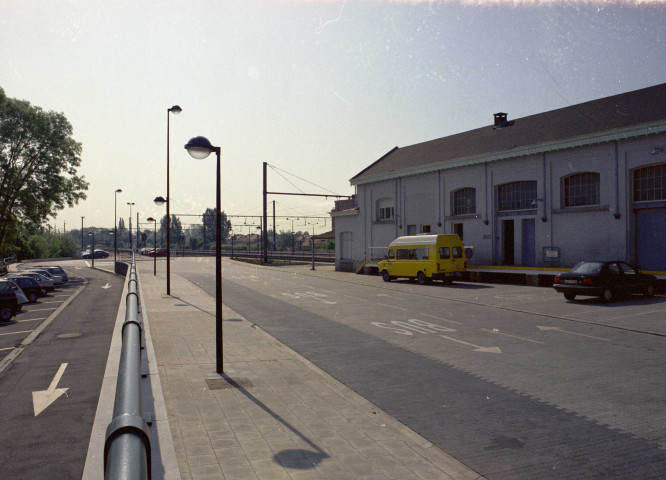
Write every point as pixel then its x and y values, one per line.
pixel 320 89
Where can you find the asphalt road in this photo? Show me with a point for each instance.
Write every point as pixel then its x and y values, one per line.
pixel 60 372
pixel 515 382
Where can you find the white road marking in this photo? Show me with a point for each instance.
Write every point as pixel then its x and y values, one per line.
pixel 43 398
pixel 391 306
pixel 558 329
pixel 106 287
pixel 476 348
pixel 439 318
pixel 512 336
pixel 15 333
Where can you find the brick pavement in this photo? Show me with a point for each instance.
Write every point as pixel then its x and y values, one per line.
pixel 274 415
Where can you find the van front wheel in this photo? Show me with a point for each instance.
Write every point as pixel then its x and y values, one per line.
pixel 421 278
pixel 386 276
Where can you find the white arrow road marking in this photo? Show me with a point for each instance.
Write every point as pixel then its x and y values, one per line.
pixel 558 329
pixel 476 347
pixel 107 286
pixel 87 264
pixel 42 399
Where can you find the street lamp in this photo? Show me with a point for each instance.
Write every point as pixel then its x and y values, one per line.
pixel 151 219
pixel 175 110
pixel 92 249
pixel 82 235
pixel 130 224
pixel 200 148
pixel 115 225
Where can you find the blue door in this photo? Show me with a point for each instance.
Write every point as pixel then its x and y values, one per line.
pixel 528 242
pixel 651 238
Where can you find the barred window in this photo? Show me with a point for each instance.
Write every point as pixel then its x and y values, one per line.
pixel 464 201
pixel 517 196
pixel 581 189
pixel 649 183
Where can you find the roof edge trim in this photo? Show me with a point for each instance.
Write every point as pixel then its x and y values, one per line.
pixel 573 142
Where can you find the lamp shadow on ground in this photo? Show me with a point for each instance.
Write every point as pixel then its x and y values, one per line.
pixel 296 459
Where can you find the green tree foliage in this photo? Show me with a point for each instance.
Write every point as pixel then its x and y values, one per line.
pixel 38 162
pixel 175 230
pixel 209 219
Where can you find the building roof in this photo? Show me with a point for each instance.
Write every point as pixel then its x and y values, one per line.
pixel 619 116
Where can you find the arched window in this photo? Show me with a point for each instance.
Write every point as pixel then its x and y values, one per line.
pixel 464 201
pixel 650 183
pixel 580 189
pixel 517 196
pixel 385 210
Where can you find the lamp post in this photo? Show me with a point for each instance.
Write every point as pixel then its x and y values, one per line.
pixel 115 225
pixel 200 148
pixel 92 249
pixel 151 219
pixel 130 224
pixel 175 110
pixel 82 235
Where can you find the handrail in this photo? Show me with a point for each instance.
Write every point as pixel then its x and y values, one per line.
pixel 127 445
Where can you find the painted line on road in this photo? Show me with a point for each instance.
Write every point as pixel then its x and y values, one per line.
pixel 439 318
pixel 558 329
pixel 43 309
pixel 391 306
pixel 15 333
pixel 32 320
pixel 8 348
pixel 512 336
pixel 7 361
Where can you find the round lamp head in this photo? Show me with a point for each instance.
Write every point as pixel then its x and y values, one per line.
pixel 199 147
pixel 119 191
pixel 150 219
pixel 175 109
pixel 159 201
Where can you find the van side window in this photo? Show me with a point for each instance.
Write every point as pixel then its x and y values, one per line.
pixel 444 253
pixel 403 254
pixel 457 252
pixel 421 254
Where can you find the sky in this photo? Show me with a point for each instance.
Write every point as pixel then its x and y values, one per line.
pixel 318 89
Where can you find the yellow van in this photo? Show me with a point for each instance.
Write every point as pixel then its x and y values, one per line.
pixel 424 257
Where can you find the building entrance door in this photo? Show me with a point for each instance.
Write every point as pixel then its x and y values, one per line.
pixel 651 238
pixel 528 242
pixel 508 242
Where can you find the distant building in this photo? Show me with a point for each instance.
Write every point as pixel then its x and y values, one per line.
pixel 582 182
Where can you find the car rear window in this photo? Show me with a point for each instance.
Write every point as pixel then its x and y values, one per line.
pixel 587 267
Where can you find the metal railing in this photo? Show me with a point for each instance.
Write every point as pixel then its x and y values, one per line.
pixel 127 446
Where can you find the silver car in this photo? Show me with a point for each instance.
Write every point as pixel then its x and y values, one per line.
pixel 57 279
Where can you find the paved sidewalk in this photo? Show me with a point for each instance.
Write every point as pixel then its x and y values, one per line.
pixel 274 415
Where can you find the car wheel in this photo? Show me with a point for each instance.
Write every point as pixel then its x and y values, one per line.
pixel 608 295
pixel 570 296
pixel 5 314
pixel 386 276
pixel 32 297
pixel 649 290
pixel 421 278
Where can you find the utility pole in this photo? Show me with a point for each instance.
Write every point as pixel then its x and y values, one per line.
pixel 82 233
pixel 264 239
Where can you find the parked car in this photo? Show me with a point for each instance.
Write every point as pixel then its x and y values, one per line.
pixel 57 279
pixel 30 287
pixel 20 294
pixel 607 280
pixel 160 252
pixel 8 302
pixel 98 254
pixel 46 283
pixel 55 270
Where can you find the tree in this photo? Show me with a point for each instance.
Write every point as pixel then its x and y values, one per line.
pixel 175 230
pixel 209 219
pixel 38 160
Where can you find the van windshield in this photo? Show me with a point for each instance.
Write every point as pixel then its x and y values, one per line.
pixel 457 252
